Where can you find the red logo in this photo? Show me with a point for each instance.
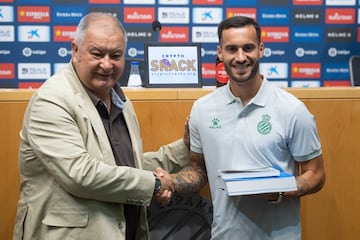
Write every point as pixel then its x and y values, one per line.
pixel 104 1
pixel 174 34
pixel 305 70
pixel 33 14
pixel 207 2
pixel 248 12
pixel 307 2
pixel 275 34
pixel 337 83
pixel 6 1
pixel 208 70
pixel 7 71
pixel 30 85
pixel 139 15
pixel 340 16
pixel 358 36
pixel 64 33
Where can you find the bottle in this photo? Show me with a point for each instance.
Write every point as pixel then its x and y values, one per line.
pixel 221 75
pixel 134 76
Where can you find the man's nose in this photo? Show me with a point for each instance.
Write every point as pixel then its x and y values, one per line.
pixel 240 55
pixel 106 63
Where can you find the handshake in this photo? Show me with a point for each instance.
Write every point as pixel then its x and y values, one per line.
pixel 167 187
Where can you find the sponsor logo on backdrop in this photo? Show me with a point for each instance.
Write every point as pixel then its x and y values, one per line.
pixel 139 34
pixel 33 14
pixel 302 52
pixel 204 34
pixel 305 70
pixel 174 15
pixel 273 2
pixel 274 70
pixel 32 1
pixel 307 2
pixel 33 70
pixel 271 52
pixel 111 10
pixel 345 34
pixel 67 14
pixel 208 52
pixel 358 36
pixel 207 15
pixel 30 85
pixel 305 84
pixel 330 83
pixel 174 2
pixel 33 33
pixel 7 33
pixel 58 66
pixel 62 1
pixel 240 3
pixel 334 52
pixel 358 21
pixel 274 16
pixel 5 52
pixel 208 70
pixel 28 52
pixel 64 52
pixel 340 2
pixel 207 2
pixel 6 14
pixel 336 71
pixel 174 34
pixel 7 71
pixel 307 34
pixel 139 15
pixel 307 16
pixel 135 52
pixel 280 84
pixel 139 2
pixel 104 1
pixel 275 34
pixel 340 16
pixel 247 12
pixel 64 33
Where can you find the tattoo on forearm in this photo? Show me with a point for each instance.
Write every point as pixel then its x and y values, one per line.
pixel 190 179
pixel 304 185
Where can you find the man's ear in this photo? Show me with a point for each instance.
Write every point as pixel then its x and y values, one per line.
pixel 261 49
pixel 219 53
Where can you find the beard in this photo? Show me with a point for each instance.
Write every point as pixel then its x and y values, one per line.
pixel 242 78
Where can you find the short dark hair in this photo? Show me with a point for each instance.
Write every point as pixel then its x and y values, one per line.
pixel 238 22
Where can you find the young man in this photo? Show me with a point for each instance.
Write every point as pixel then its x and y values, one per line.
pixel 249 123
pixel 80 154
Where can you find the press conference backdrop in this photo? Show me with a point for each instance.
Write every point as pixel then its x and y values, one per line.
pixel 308 42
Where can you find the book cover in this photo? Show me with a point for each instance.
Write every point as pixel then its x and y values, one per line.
pixel 248 173
pixel 257 185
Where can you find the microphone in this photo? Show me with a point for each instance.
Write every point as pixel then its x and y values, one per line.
pixel 156 26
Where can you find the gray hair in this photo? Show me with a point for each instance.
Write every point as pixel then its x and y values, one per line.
pixel 87 19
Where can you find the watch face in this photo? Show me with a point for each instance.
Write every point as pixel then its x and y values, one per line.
pixel 157 184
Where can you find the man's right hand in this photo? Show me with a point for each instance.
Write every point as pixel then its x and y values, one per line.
pixel 163 196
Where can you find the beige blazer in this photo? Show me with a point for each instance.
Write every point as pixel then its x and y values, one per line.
pixel 70 187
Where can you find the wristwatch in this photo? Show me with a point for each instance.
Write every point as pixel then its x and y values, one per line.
pixel 278 200
pixel 157 186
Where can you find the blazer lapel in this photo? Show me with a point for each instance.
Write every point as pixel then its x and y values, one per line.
pixel 90 112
